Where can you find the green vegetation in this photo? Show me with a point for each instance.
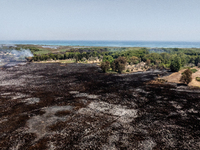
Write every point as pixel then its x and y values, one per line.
pixel 38 51
pixel 175 64
pixel 134 60
pixel 198 78
pixel 193 70
pixel 186 76
pixel 171 58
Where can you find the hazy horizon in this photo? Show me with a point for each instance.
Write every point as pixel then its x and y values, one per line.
pixel 100 20
pixel 111 40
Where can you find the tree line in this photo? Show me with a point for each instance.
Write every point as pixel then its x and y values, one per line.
pixel 173 59
pixel 168 58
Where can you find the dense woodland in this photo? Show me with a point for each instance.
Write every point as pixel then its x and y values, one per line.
pixel 173 58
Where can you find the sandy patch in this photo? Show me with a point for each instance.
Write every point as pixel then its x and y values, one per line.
pixel 175 77
pixel 194 82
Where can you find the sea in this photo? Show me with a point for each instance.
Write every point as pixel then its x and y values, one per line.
pixel 150 44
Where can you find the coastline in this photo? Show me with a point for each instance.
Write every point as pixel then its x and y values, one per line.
pixel 149 44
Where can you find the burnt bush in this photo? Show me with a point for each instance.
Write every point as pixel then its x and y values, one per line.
pixel 105 66
pixel 120 64
pixel 186 76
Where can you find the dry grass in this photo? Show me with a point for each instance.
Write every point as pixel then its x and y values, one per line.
pixel 56 61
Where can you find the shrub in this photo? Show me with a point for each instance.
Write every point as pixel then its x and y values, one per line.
pixel 198 78
pixel 193 70
pixel 105 66
pixel 120 63
pixel 175 64
pixel 161 66
pixel 158 62
pixel 134 60
pixel 153 66
pixel 167 65
pixel 197 60
pixel 186 76
pixel 112 65
pixel 108 58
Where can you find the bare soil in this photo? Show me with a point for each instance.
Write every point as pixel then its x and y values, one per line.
pixel 175 77
pixel 73 106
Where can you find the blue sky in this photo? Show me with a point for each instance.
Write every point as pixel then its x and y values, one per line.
pixel 146 20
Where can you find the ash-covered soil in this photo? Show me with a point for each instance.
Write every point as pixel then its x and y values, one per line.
pixel 73 106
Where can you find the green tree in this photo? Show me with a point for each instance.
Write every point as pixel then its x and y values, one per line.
pixel 197 60
pixel 134 60
pixel 112 65
pixel 175 64
pixel 183 58
pixel 108 58
pixel 166 58
pixel 153 57
pixel 186 76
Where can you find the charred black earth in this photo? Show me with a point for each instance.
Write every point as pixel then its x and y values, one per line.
pixel 73 106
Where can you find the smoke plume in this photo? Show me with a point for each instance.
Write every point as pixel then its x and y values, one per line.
pixel 22 53
pixel 12 57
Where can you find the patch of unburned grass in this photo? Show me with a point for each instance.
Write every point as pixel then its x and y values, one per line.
pixel 198 78
pixel 184 68
pixel 56 61
pixel 193 70
pixel 62 50
pixel 42 51
pixel 67 61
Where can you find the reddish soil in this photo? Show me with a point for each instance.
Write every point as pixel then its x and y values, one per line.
pixel 51 106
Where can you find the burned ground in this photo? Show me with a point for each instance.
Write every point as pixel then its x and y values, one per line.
pixel 73 106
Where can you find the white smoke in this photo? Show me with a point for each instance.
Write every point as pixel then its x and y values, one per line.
pixel 13 57
pixel 23 53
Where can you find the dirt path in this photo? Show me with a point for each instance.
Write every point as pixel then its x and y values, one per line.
pixel 194 82
pixel 175 77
